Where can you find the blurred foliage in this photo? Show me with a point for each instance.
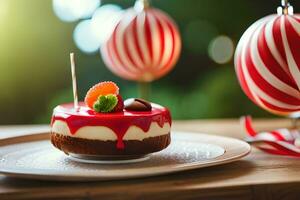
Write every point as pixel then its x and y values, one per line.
pixel 34 60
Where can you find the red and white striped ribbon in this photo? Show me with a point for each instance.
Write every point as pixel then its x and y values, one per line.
pixel 279 141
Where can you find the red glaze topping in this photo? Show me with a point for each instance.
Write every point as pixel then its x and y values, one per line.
pixel 119 122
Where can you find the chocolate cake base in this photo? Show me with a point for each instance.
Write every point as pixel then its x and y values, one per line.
pixel 108 149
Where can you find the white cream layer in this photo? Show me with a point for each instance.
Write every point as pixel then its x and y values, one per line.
pixel 104 133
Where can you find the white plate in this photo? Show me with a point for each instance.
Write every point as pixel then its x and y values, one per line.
pixel 35 158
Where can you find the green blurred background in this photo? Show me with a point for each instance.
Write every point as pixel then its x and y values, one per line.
pixel 35 72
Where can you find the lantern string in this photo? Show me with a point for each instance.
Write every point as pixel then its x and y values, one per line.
pixel 285 4
pixel 146 3
pixel 285 8
pixel 141 5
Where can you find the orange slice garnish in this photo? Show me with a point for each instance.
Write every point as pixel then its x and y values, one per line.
pixel 102 88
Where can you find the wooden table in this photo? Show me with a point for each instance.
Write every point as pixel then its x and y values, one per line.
pixel 258 176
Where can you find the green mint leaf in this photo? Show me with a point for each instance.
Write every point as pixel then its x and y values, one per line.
pixel 105 103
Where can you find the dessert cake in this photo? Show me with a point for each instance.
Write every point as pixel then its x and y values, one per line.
pixel 107 127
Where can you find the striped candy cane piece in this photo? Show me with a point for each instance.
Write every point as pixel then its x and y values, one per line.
pixel 280 141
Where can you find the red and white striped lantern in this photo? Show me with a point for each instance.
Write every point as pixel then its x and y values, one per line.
pixel 267 63
pixel 144 46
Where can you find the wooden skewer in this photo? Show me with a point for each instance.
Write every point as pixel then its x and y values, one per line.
pixel 74 82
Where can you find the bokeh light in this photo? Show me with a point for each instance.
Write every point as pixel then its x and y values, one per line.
pixel 104 21
pixel 198 34
pixel 221 49
pixel 73 10
pixel 84 38
pixel 90 34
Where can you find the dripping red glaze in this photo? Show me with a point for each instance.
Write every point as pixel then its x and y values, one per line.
pixel 118 122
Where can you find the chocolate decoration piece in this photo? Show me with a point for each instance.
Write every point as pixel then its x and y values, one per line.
pixel 136 104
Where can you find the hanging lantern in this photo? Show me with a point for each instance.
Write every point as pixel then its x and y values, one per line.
pixel 144 46
pixel 267 62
